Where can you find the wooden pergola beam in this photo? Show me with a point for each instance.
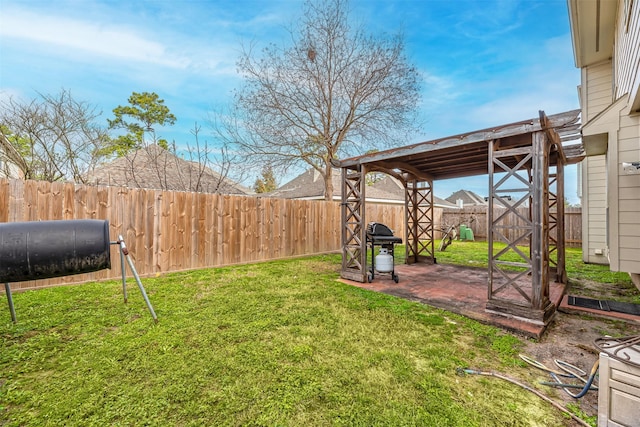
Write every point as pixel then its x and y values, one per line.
pixel 514 129
pixel 411 173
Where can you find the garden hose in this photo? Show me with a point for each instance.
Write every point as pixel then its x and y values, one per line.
pixel 462 371
pixel 568 371
pixel 539 365
pixel 557 384
pixel 587 385
pixel 572 370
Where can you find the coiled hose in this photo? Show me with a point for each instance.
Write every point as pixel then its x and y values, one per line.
pixel 568 371
pixel 462 371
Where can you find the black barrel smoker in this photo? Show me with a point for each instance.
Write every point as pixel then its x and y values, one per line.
pixel 44 249
pixel 380 235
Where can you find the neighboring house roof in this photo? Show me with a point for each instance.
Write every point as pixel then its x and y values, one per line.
pixel 8 169
pixel 157 168
pixel 467 198
pixel 309 185
pixel 391 185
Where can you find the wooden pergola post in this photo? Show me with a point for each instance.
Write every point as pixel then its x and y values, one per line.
pixel 561 268
pixel 353 235
pixel 540 217
pixel 520 288
pixel 419 227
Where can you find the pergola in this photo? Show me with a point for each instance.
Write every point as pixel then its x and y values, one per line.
pixel 523 160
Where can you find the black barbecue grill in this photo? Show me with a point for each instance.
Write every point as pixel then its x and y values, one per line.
pixel 380 235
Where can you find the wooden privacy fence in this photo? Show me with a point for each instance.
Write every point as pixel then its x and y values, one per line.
pixel 172 231
pixel 476 218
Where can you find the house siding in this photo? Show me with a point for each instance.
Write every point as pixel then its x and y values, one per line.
pixel 627 195
pixel 597 90
pixel 627 48
pixel 594 210
pixel 611 87
pixel 624 191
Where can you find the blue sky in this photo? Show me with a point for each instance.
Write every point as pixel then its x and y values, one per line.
pixel 484 62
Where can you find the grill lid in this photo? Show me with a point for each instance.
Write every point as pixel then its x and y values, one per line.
pixel 378 229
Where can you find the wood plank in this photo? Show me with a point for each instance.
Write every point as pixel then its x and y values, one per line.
pixel 245 230
pixel 16 200
pixel 218 223
pixel 139 224
pixel 56 203
pixel 200 231
pixel 4 200
pixel 31 200
pixel 165 246
pixel 91 202
pixel 261 229
pixel 68 204
pixel 103 203
pixel 228 228
pixel 186 220
pixel 237 228
pixel 156 243
pixel 251 235
pixel 207 230
pixel 178 231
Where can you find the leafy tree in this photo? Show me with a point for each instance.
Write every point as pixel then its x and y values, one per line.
pixel 145 110
pixel 14 150
pixel 51 137
pixel 332 92
pixel 267 182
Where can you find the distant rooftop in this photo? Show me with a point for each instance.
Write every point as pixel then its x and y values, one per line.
pixel 157 168
pixel 466 198
pixel 310 186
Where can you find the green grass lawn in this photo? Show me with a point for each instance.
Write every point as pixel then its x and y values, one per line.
pixel 275 344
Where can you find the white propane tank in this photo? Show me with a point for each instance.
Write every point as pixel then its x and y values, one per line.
pixel 384 261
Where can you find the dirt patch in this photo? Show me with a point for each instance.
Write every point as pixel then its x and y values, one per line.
pixel 570 338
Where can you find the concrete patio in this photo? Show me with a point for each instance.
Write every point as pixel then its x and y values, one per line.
pixel 458 289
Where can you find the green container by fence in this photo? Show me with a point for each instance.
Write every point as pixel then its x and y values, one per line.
pixel 469 235
pixel 463 232
pixel 466 233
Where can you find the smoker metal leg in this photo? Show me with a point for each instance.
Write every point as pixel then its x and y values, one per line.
pixel 7 289
pixel 124 253
pixel 124 274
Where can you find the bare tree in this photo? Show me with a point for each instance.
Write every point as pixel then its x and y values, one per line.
pixel 205 159
pixel 335 91
pixel 52 137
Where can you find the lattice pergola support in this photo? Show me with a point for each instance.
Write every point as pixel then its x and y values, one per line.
pixel 557 243
pixel 419 214
pixel 354 244
pixel 520 287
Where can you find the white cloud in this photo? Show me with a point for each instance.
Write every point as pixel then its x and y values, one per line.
pixel 76 37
